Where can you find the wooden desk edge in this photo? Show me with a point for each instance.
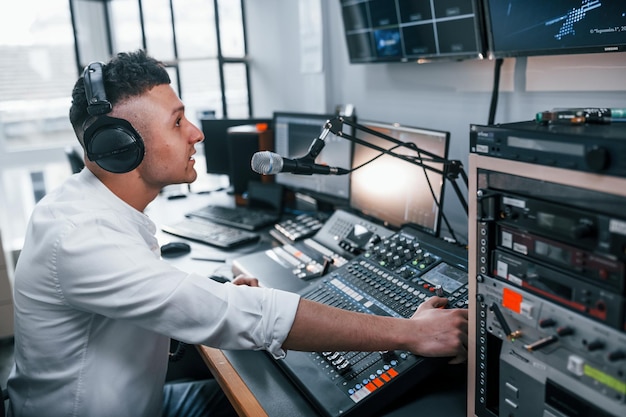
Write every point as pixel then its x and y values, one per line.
pixel 238 393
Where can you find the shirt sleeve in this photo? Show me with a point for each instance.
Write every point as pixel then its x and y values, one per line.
pixel 102 268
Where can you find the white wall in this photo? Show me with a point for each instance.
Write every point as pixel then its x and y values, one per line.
pixel 273 46
pixel 440 95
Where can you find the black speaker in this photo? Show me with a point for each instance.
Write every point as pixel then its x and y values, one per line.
pixel 110 142
pixel 243 142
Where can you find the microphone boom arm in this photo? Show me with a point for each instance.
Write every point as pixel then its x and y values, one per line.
pixel 451 169
pixel 315 148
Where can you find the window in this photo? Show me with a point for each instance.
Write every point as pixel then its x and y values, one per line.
pixel 202 41
pixel 45 44
pixel 38 70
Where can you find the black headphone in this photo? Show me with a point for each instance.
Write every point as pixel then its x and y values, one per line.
pixel 112 143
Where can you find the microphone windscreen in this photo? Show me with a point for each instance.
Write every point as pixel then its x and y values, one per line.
pixel 266 163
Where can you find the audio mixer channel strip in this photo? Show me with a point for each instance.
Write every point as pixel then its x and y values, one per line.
pixel 391 278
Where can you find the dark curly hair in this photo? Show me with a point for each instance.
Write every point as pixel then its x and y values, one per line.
pixel 129 74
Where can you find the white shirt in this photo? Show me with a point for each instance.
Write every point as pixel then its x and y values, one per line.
pixel 95 307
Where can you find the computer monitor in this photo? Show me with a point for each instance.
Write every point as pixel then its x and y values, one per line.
pixel 394 191
pixel 293 135
pixel 556 27
pixel 216 142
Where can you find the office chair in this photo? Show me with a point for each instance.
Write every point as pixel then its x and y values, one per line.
pixel 75 159
pixel 3 405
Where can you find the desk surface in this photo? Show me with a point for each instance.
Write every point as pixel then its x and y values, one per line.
pixel 252 380
pixel 164 211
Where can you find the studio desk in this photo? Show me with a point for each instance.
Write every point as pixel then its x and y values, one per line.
pixel 252 380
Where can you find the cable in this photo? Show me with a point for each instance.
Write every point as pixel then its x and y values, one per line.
pixel 495 91
pixel 178 353
pixel 421 160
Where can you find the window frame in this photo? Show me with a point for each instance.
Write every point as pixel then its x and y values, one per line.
pixel 222 61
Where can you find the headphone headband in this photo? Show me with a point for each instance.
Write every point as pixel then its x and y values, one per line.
pixel 97 103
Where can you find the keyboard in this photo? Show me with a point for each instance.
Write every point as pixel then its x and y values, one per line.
pixel 213 234
pixel 241 217
pixel 298 228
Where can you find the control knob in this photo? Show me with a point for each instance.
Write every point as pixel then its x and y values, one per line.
pixel 439 291
pixel 616 355
pixel 597 158
pixel 547 322
pixel 388 355
pixel 564 331
pixel 595 345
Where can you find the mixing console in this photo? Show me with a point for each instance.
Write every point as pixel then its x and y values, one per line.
pixel 392 277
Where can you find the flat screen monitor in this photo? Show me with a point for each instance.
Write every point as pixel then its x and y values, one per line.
pixel 293 135
pixel 216 142
pixel 394 191
pixel 555 27
pixel 412 30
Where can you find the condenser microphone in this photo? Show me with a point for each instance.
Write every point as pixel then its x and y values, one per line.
pixel 270 163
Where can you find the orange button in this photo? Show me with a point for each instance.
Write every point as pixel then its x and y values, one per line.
pixel 512 300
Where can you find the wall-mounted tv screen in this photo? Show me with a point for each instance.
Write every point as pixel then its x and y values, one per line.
pixel 554 27
pixel 412 30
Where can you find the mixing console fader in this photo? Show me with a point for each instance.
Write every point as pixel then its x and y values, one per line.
pixel 392 278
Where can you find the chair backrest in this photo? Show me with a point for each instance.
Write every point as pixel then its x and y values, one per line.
pixel 5 397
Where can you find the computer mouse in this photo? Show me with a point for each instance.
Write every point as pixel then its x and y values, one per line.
pixel 219 278
pixel 175 249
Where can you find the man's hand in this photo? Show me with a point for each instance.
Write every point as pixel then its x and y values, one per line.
pixel 441 332
pixel 245 280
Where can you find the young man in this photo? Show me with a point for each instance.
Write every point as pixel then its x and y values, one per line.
pixel 95 306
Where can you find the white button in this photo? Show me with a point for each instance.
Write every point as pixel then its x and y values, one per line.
pixel 575 364
pixel 527 309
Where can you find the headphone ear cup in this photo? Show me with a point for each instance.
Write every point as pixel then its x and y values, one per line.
pixel 114 144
